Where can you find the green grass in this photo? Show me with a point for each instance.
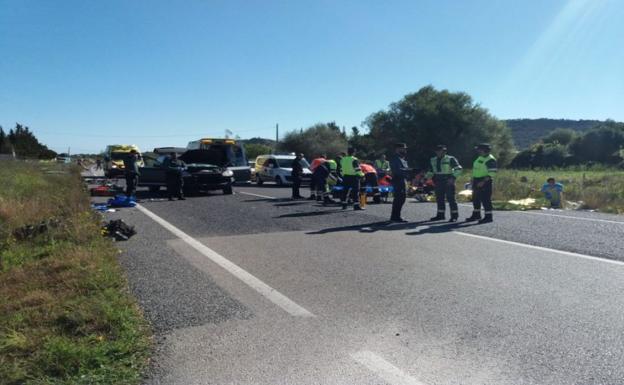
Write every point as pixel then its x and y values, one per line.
pixel 66 316
pixel 601 189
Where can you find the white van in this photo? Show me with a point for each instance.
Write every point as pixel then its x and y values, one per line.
pixel 278 169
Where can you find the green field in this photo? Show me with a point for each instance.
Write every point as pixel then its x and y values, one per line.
pixel 66 316
pixel 601 190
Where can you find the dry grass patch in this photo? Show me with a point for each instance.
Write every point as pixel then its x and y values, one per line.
pixel 66 316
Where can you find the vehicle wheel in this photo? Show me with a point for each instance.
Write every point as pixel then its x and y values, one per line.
pixel 279 181
pixel 227 190
pixel 154 189
pixel 259 180
pixel 377 199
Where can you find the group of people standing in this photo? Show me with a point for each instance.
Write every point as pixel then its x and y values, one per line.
pixel 443 169
pixel 173 174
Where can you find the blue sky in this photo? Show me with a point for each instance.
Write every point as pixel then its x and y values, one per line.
pixel 87 73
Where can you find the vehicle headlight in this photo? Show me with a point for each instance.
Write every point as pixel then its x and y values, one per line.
pixel 114 166
pixel 228 173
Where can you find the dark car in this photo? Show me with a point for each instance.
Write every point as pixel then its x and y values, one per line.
pixel 205 170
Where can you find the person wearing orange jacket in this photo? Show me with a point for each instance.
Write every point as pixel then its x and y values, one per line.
pixel 316 162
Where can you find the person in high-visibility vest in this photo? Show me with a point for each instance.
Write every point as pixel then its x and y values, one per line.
pixel 320 175
pixel 444 169
pixel 382 166
pixel 351 174
pixel 484 170
pixel 316 162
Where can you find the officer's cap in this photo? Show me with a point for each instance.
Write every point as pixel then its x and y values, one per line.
pixel 400 145
pixel 483 146
pixel 441 147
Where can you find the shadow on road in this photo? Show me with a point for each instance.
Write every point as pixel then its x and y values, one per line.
pixel 309 214
pixel 295 203
pixel 422 227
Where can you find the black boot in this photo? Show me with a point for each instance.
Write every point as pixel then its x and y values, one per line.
pixel 476 216
pixel 312 197
pixel 439 217
pixel 453 219
pixel 487 219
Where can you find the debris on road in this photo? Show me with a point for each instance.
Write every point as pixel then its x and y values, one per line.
pixel 122 201
pixel 118 229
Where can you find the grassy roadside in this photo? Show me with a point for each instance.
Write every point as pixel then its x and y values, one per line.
pixel 601 190
pixel 66 316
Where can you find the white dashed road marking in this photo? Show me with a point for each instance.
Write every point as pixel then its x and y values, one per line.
pixel 271 294
pixel 385 370
pixel 256 195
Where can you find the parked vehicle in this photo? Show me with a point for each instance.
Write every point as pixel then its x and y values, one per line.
pixel 235 154
pixel 114 156
pixel 278 169
pixel 205 170
pixel 63 158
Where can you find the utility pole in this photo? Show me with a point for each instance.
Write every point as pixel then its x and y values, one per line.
pixel 276 136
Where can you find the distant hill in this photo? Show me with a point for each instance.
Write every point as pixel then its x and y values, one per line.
pixel 266 142
pixel 528 131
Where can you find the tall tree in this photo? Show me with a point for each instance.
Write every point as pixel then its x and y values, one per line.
pixel 26 145
pixel 322 138
pixel 430 117
pixel 3 140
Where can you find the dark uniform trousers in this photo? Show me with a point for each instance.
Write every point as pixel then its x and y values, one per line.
pixel 445 190
pixel 296 184
pixel 132 180
pixel 482 195
pixel 351 185
pixel 175 183
pixel 400 193
pixel 319 182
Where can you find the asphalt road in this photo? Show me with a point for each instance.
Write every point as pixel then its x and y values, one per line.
pixel 255 288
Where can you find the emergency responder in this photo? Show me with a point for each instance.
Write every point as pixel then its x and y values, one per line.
pixel 297 171
pixel 382 166
pixel 444 169
pixel 131 172
pixel 173 175
pixel 400 175
pixel 351 174
pixel 483 171
pixel 320 175
pixel 313 187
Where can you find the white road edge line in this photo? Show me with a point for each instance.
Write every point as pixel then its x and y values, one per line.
pixel 388 372
pixel 589 257
pixel 257 195
pixel 271 294
pixel 556 215
pixel 569 217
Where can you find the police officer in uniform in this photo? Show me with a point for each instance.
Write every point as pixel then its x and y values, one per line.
pixel 483 171
pixel 131 172
pixel 400 175
pixel 297 171
pixel 173 174
pixel 351 174
pixel 444 169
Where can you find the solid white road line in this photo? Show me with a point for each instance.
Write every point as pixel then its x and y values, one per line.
pixel 614 262
pixel 256 195
pixel 388 372
pixel 570 217
pixel 531 212
pixel 271 294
